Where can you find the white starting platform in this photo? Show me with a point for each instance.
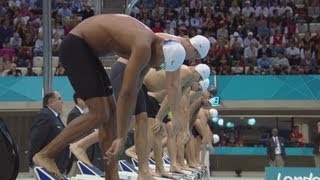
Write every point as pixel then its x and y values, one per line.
pixel 128 171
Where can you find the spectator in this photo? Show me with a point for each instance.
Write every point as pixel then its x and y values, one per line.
pixel 293 53
pixel 264 64
pixel 60 71
pixel 316 146
pixel 236 39
pixel 169 29
pixel 30 71
pixel 222 33
pixel 58 29
pixel 196 21
pixel 24 56
pixel 5 62
pixel 237 54
pixel 16 41
pixel 5 31
pixel 250 54
pixel 250 39
pixel 277 42
pixel 297 137
pixel 264 49
pixel 196 8
pixel 247 9
pixel 77 6
pixel 56 41
pixel 14 3
pixel 157 27
pixel 13 71
pixel 87 12
pixel 38 48
pixel 48 120
pixel 183 10
pixel 281 61
pixel 64 11
pixel 234 10
pixel 262 9
pixel 308 64
pixel 276 150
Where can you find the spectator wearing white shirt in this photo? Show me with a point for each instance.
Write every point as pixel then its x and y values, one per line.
pixel 234 9
pixel 247 9
pixel 222 33
pixel 236 39
pixel 58 29
pixel 168 29
pixel 14 3
pixel 262 9
pixel 250 54
pixel 183 10
pixel 250 39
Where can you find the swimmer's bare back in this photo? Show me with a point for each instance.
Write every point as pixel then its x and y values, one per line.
pixel 114 33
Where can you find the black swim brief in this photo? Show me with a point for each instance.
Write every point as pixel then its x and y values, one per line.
pixel 84 69
pixel 116 77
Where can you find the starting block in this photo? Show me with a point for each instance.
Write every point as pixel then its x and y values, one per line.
pixel 43 174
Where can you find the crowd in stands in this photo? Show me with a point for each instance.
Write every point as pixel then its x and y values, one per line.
pixel 21 32
pixel 247 36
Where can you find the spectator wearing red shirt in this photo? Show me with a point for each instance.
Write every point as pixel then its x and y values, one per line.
pixel 157 27
pixel 297 137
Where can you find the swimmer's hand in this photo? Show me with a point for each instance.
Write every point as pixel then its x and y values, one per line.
pixel 114 150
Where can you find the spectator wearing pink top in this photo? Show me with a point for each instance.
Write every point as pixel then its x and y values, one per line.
pixel 8 51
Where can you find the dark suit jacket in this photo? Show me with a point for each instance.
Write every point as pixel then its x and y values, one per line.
pixel 74 113
pixel 45 127
pixel 94 152
pixel 271 146
pixel 316 144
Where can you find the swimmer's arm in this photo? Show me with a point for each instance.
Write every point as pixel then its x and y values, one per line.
pixel 194 109
pixel 174 94
pixel 131 85
pixel 164 109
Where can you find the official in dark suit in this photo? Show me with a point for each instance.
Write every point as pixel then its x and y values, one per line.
pixel 94 153
pixel 46 125
pixel 276 150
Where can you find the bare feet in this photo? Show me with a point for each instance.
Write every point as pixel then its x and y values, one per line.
pixel 80 154
pixel 186 168
pixel 176 169
pixel 165 174
pixel 47 163
pixel 193 165
pixel 145 176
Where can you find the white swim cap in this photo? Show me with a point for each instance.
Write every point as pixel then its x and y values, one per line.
pixel 216 138
pixel 213 112
pixel 204 84
pixel 203 70
pixel 174 55
pixel 202 45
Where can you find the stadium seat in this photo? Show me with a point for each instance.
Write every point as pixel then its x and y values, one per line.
pixel 38 61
